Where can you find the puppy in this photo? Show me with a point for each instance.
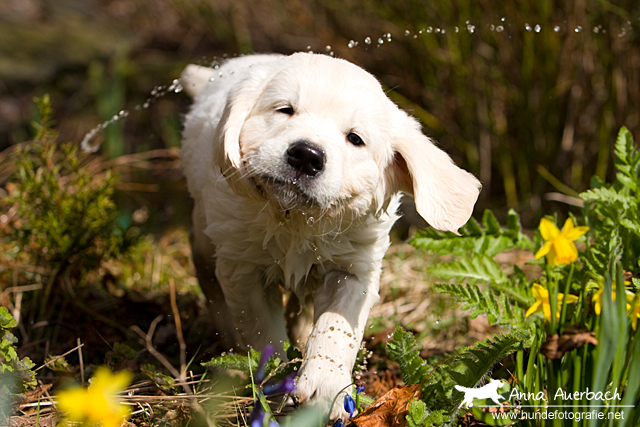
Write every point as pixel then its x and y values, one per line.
pixel 295 164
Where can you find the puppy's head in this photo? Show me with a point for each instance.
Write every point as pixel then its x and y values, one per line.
pixel 318 134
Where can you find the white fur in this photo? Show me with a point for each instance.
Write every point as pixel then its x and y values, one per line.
pixel 322 237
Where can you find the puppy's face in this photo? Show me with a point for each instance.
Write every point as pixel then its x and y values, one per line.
pixel 317 136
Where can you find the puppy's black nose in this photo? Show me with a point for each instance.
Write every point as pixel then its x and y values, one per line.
pixel 305 158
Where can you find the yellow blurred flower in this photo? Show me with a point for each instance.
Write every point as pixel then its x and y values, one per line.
pixel 541 294
pixel 558 244
pixel 99 402
pixel 597 297
pixel 634 311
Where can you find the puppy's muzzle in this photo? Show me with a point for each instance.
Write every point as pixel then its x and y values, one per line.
pixel 305 158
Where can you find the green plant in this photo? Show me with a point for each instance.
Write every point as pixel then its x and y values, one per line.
pixel 63 218
pixel 582 361
pixel 16 374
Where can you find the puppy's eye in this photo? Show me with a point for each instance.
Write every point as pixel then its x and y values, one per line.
pixel 355 139
pixel 286 110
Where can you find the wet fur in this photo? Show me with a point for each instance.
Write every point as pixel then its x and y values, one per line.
pixel 259 225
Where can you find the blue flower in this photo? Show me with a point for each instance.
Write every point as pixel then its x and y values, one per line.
pixel 349 404
pixel 338 423
pixel 268 351
pixel 257 415
pixel 360 389
pixel 287 385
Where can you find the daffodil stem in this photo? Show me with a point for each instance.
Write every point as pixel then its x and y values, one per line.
pixel 567 288
pixel 553 299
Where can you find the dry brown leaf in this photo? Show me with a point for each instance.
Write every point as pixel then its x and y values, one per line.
pixel 390 410
pixel 555 347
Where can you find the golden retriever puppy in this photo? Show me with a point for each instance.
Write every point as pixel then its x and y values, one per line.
pixel 295 164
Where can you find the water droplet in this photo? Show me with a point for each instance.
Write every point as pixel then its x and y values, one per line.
pixel 319 257
pixel 310 221
pixel 438 322
pixel 503 19
pixel 407 32
pixel 430 30
pixel 471 28
pixel 499 28
pixel 380 41
pixel 294 182
pixel 537 28
pixel 527 27
pixel 390 335
pixel 367 40
pixel 327 48
pixel 388 37
pixel 578 29
pixel 556 28
pixel 457 29
pixel 352 44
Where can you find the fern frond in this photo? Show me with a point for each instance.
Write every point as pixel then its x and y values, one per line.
pixel 403 349
pixel 477 266
pixel 490 238
pixel 480 357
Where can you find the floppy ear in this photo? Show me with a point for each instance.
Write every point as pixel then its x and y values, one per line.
pixel 444 193
pixel 226 149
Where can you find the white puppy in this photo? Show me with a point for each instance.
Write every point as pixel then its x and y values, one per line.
pixel 295 164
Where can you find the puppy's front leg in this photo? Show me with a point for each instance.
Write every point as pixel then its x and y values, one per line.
pixel 341 307
pixel 256 308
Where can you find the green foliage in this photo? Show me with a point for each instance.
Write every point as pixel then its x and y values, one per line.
pixel 58 364
pixel 419 415
pixel 489 239
pixel 249 363
pixel 466 368
pixel 614 209
pixel 403 349
pixel 482 356
pixel 164 382
pixel 476 246
pixel 16 375
pixel 62 216
pixel 498 307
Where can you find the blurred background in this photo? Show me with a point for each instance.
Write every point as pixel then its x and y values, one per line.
pixel 528 95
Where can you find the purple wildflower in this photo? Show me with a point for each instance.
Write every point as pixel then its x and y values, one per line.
pixel 268 351
pixel 287 385
pixel 257 415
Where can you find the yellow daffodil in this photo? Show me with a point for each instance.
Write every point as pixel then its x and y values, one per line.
pixel 558 244
pixel 99 403
pixel 597 297
pixel 634 311
pixel 541 294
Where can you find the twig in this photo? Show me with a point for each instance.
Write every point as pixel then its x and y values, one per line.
pixel 148 338
pixel 81 362
pixel 178 322
pixel 58 357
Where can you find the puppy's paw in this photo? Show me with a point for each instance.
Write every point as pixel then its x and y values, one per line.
pixel 319 382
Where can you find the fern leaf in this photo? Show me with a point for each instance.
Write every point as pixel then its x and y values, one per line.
pixel 402 349
pixel 477 266
pixel 237 362
pixel 480 357
pixel 490 239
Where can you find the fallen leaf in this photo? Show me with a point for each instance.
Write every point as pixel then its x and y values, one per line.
pixel 390 410
pixel 555 347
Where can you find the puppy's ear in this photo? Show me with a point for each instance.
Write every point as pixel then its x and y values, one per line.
pixel 444 193
pixel 226 149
